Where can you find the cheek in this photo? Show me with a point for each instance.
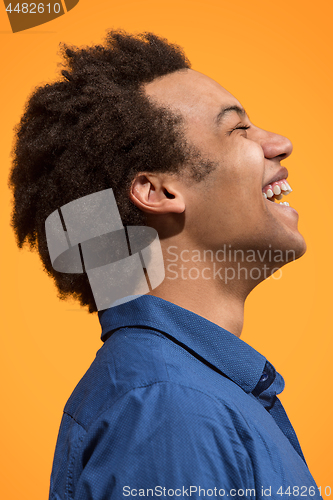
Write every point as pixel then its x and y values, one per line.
pixel 243 170
pixel 230 197
pixel 249 159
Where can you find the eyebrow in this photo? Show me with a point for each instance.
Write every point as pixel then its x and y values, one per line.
pixel 240 111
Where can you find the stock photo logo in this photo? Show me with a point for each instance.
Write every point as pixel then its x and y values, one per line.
pixel 121 262
pixel 23 16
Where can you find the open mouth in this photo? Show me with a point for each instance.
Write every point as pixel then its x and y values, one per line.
pixel 276 191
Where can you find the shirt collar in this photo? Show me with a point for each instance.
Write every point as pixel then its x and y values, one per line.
pixel 217 346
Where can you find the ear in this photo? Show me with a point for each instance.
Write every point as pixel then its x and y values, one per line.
pixel 157 194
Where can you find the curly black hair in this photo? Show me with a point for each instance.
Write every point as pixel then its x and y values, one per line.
pixel 94 129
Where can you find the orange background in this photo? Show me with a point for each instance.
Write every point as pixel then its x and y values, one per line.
pixel 275 57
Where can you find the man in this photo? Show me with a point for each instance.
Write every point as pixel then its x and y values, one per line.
pixel 175 404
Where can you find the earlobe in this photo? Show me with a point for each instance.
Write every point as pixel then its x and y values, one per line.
pixel 155 195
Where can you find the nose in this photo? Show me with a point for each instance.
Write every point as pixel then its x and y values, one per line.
pixel 275 145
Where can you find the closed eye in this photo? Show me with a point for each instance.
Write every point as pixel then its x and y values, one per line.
pixel 239 127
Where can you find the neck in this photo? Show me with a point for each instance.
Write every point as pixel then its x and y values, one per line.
pixel 211 284
pixel 210 288
pixel 224 310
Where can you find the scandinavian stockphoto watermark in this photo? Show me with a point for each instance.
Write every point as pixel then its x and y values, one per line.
pixel 87 236
pixel 25 15
pixel 198 491
pixel 187 491
pixel 226 263
pixel 124 262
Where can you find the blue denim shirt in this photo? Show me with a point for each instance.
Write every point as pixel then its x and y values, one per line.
pixel 174 406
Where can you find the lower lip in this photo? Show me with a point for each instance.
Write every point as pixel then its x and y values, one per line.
pixel 283 207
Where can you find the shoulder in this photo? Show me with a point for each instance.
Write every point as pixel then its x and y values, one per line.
pixel 128 359
pixel 143 368
pixel 152 411
pixel 170 416
pixel 164 432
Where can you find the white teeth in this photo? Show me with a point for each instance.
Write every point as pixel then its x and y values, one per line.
pixel 284 203
pixel 278 191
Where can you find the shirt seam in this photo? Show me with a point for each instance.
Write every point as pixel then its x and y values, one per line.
pixel 69 479
pixel 216 399
pixel 76 421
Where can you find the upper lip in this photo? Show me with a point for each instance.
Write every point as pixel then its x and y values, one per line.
pixel 281 174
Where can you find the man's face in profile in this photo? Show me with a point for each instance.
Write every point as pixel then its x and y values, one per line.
pixel 228 206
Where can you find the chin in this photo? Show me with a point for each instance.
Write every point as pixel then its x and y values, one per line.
pixel 298 244
pixel 301 249
pixel 293 247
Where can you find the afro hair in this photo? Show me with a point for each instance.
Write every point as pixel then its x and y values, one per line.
pixel 94 129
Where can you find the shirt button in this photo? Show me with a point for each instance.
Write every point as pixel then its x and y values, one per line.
pixel 263 377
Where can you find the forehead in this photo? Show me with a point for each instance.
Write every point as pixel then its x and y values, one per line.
pixel 191 92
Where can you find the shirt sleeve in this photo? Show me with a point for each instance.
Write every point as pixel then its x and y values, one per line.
pixel 163 440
